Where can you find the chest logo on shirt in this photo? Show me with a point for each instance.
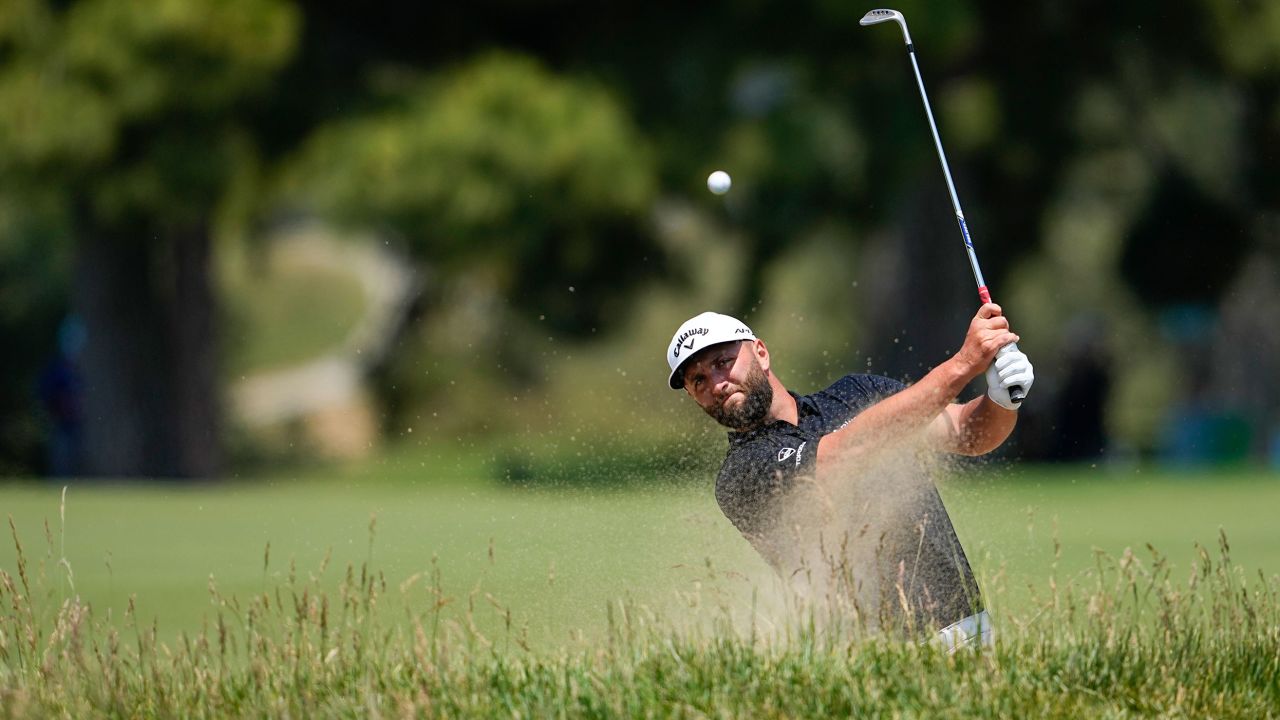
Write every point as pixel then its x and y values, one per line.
pixel 785 453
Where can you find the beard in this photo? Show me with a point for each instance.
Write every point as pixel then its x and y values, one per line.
pixel 757 399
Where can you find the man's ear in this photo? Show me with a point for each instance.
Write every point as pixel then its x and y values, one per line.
pixel 762 353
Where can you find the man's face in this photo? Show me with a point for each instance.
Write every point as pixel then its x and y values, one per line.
pixel 728 382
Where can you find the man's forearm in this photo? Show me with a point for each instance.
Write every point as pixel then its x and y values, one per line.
pixel 980 426
pixel 896 417
pixel 927 403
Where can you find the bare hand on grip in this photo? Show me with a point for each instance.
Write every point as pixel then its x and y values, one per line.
pixel 988 332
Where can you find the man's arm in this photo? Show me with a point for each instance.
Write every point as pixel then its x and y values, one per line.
pixel 905 414
pixel 982 424
pixel 974 428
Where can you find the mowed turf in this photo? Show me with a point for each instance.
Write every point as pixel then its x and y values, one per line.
pixel 1011 517
pixel 556 558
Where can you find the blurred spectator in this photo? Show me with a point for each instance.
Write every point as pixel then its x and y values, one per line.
pixel 1274 450
pixel 1245 352
pixel 1210 426
pixel 61 394
pixel 1080 430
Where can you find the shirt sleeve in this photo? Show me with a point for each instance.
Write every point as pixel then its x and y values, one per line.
pixel 859 392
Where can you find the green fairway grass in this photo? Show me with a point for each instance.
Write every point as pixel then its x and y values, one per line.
pixel 293 315
pixel 1011 516
pixel 557 557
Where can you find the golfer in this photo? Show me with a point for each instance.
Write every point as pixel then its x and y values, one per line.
pixel 838 484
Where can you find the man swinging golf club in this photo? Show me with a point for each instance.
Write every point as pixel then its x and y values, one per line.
pixel 840 475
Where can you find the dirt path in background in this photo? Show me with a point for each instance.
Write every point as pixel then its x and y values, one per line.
pixel 334 381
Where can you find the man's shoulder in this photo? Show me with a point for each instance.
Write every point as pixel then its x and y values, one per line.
pixel 829 408
pixel 862 386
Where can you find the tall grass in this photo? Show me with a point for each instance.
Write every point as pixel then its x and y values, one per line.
pixel 1126 638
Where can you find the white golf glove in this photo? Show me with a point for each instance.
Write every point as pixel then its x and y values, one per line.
pixel 1010 368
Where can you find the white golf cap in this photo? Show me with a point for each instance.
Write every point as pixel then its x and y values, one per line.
pixel 698 332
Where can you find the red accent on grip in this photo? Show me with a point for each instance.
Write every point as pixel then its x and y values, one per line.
pixel 983 294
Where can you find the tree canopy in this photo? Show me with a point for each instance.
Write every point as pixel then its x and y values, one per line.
pixel 1120 159
pixel 544 181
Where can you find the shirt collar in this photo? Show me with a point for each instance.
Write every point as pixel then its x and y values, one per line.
pixel 803 408
pixel 737 437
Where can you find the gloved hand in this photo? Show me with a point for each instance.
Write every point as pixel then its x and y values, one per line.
pixel 1010 368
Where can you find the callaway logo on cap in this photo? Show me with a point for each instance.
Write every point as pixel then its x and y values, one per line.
pixel 700 332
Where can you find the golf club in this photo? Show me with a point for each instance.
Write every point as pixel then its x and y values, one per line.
pixel 875 17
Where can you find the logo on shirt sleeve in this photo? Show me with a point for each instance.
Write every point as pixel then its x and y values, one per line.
pixel 785 453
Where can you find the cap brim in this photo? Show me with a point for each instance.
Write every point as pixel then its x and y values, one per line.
pixel 678 373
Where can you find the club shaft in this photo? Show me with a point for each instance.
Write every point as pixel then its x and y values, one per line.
pixel 1016 393
pixel 983 293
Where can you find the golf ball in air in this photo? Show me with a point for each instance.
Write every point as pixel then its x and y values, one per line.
pixel 718 182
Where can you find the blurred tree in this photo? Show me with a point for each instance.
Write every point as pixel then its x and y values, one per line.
pixel 1136 158
pixel 1081 138
pixel 526 195
pixel 540 181
pixel 1092 146
pixel 128 117
pixel 34 269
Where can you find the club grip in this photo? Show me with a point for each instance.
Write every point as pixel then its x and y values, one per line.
pixel 1016 393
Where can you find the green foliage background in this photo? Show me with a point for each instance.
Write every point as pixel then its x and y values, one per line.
pixel 542 168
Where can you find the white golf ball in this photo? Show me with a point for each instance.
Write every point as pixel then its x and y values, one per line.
pixel 718 182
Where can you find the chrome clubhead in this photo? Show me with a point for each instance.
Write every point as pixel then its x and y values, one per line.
pixel 881 15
